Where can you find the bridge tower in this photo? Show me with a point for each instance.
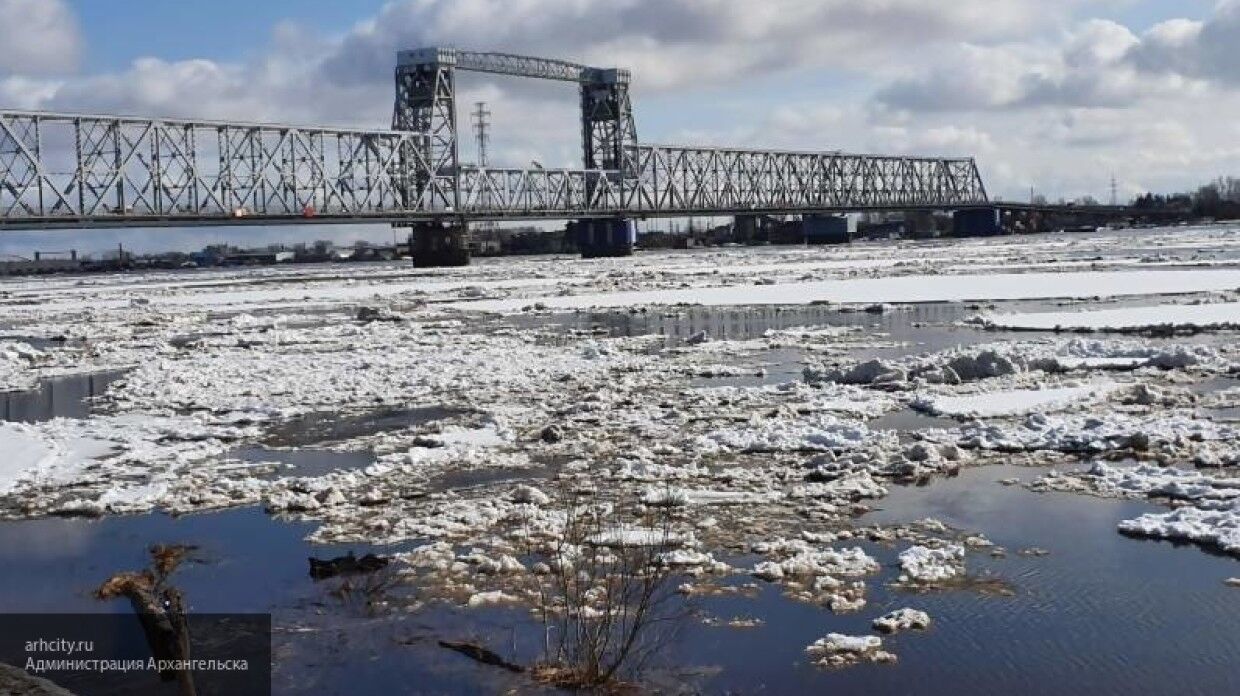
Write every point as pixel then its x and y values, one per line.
pixel 607 127
pixel 608 137
pixel 426 104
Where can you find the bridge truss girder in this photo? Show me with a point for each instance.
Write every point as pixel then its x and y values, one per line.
pixel 101 168
pixel 76 170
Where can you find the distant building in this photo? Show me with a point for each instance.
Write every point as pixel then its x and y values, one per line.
pixel 258 258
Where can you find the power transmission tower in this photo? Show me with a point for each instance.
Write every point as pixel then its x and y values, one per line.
pixel 481 116
pixel 482 126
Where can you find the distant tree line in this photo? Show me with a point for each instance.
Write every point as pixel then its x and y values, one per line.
pixel 1219 199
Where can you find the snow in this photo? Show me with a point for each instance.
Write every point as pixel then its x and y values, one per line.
pixel 1213 526
pixel 902 289
pixel 799 559
pixel 530 495
pixel 483 599
pixel 16 362
pixel 636 536
pixel 902 620
pixel 24 450
pixel 838 642
pixel 1016 402
pixel 1222 315
pixel 813 433
pixel 923 564
pixel 840 650
pixel 683 496
pixel 1208 509
pixel 233 359
pixel 1091 432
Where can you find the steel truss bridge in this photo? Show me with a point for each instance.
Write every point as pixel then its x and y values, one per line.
pixel 77 170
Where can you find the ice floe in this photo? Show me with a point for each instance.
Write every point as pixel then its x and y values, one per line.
pixel 1016 402
pixel 817 432
pixel 925 565
pixel 1165 318
pixel 17 360
pixel 910 288
pixel 1207 506
pixel 840 650
pixel 1217 525
pixel 902 620
pixel 798 558
pixel 1087 433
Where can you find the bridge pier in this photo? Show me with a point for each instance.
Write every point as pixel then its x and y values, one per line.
pixel 598 238
pixel 438 244
pixel 977 222
pixel 919 224
pixel 745 228
pixel 825 229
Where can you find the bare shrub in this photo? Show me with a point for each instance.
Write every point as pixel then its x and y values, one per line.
pixel 604 595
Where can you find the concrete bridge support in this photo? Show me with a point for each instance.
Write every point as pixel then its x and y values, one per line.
pixel 745 228
pixel 604 237
pixel 977 222
pixel 437 244
pixel 919 224
pixel 825 229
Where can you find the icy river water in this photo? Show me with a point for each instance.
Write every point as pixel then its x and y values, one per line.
pixel 1050 600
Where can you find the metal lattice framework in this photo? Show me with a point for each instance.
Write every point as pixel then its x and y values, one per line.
pixel 100 169
pixel 80 170
pixel 706 179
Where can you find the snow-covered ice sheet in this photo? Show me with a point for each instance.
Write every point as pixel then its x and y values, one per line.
pixel 17 360
pixel 921 564
pixel 1214 526
pixel 1016 402
pixel 1220 315
pixel 24 451
pixel 901 289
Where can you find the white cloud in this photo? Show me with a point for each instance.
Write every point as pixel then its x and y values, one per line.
pixel 675 43
pixel 1098 64
pixel 38 37
pixel 1206 50
pixel 1040 98
pixel 27 93
pixel 1089 67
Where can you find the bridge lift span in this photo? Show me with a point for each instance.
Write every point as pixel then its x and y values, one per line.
pixel 89 171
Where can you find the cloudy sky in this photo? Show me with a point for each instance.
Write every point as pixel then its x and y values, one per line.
pixel 1058 95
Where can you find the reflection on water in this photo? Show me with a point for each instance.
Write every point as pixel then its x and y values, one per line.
pixel 744 323
pixel 473 478
pixel 326 426
pixel 57 397
pixel 1101 614
pixel 305 462
pixel 909 419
